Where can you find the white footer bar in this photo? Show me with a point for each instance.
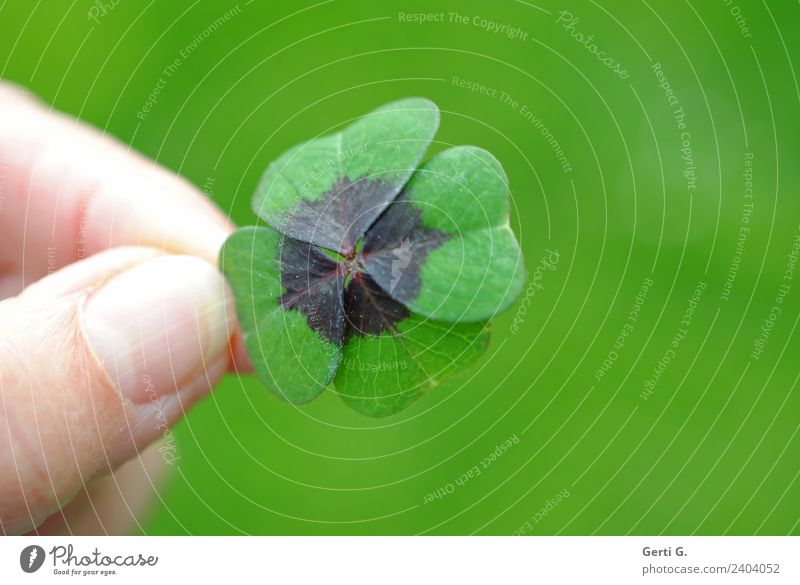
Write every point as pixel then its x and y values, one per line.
pixel 406 560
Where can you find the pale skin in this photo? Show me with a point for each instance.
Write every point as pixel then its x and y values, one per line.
pixel 113 321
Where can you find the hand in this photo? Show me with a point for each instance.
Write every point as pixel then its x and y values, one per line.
pixel 113 318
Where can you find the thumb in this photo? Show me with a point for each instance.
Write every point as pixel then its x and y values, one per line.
pixel 96 361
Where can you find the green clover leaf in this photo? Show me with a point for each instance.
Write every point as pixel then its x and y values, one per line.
pixel 375 277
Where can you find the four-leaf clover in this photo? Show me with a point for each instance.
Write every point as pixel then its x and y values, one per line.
pixel 374 277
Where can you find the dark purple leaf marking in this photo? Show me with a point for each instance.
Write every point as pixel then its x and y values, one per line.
pixel 338 299
pixel 342 214
pixel 314 286
pixel 369 310
pixel 356 296
pixel 395 249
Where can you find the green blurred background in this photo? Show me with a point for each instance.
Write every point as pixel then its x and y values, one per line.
pixel 714 448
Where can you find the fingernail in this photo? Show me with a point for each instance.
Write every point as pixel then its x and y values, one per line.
pixel 158 325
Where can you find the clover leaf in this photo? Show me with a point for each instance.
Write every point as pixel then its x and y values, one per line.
pixel 374 277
